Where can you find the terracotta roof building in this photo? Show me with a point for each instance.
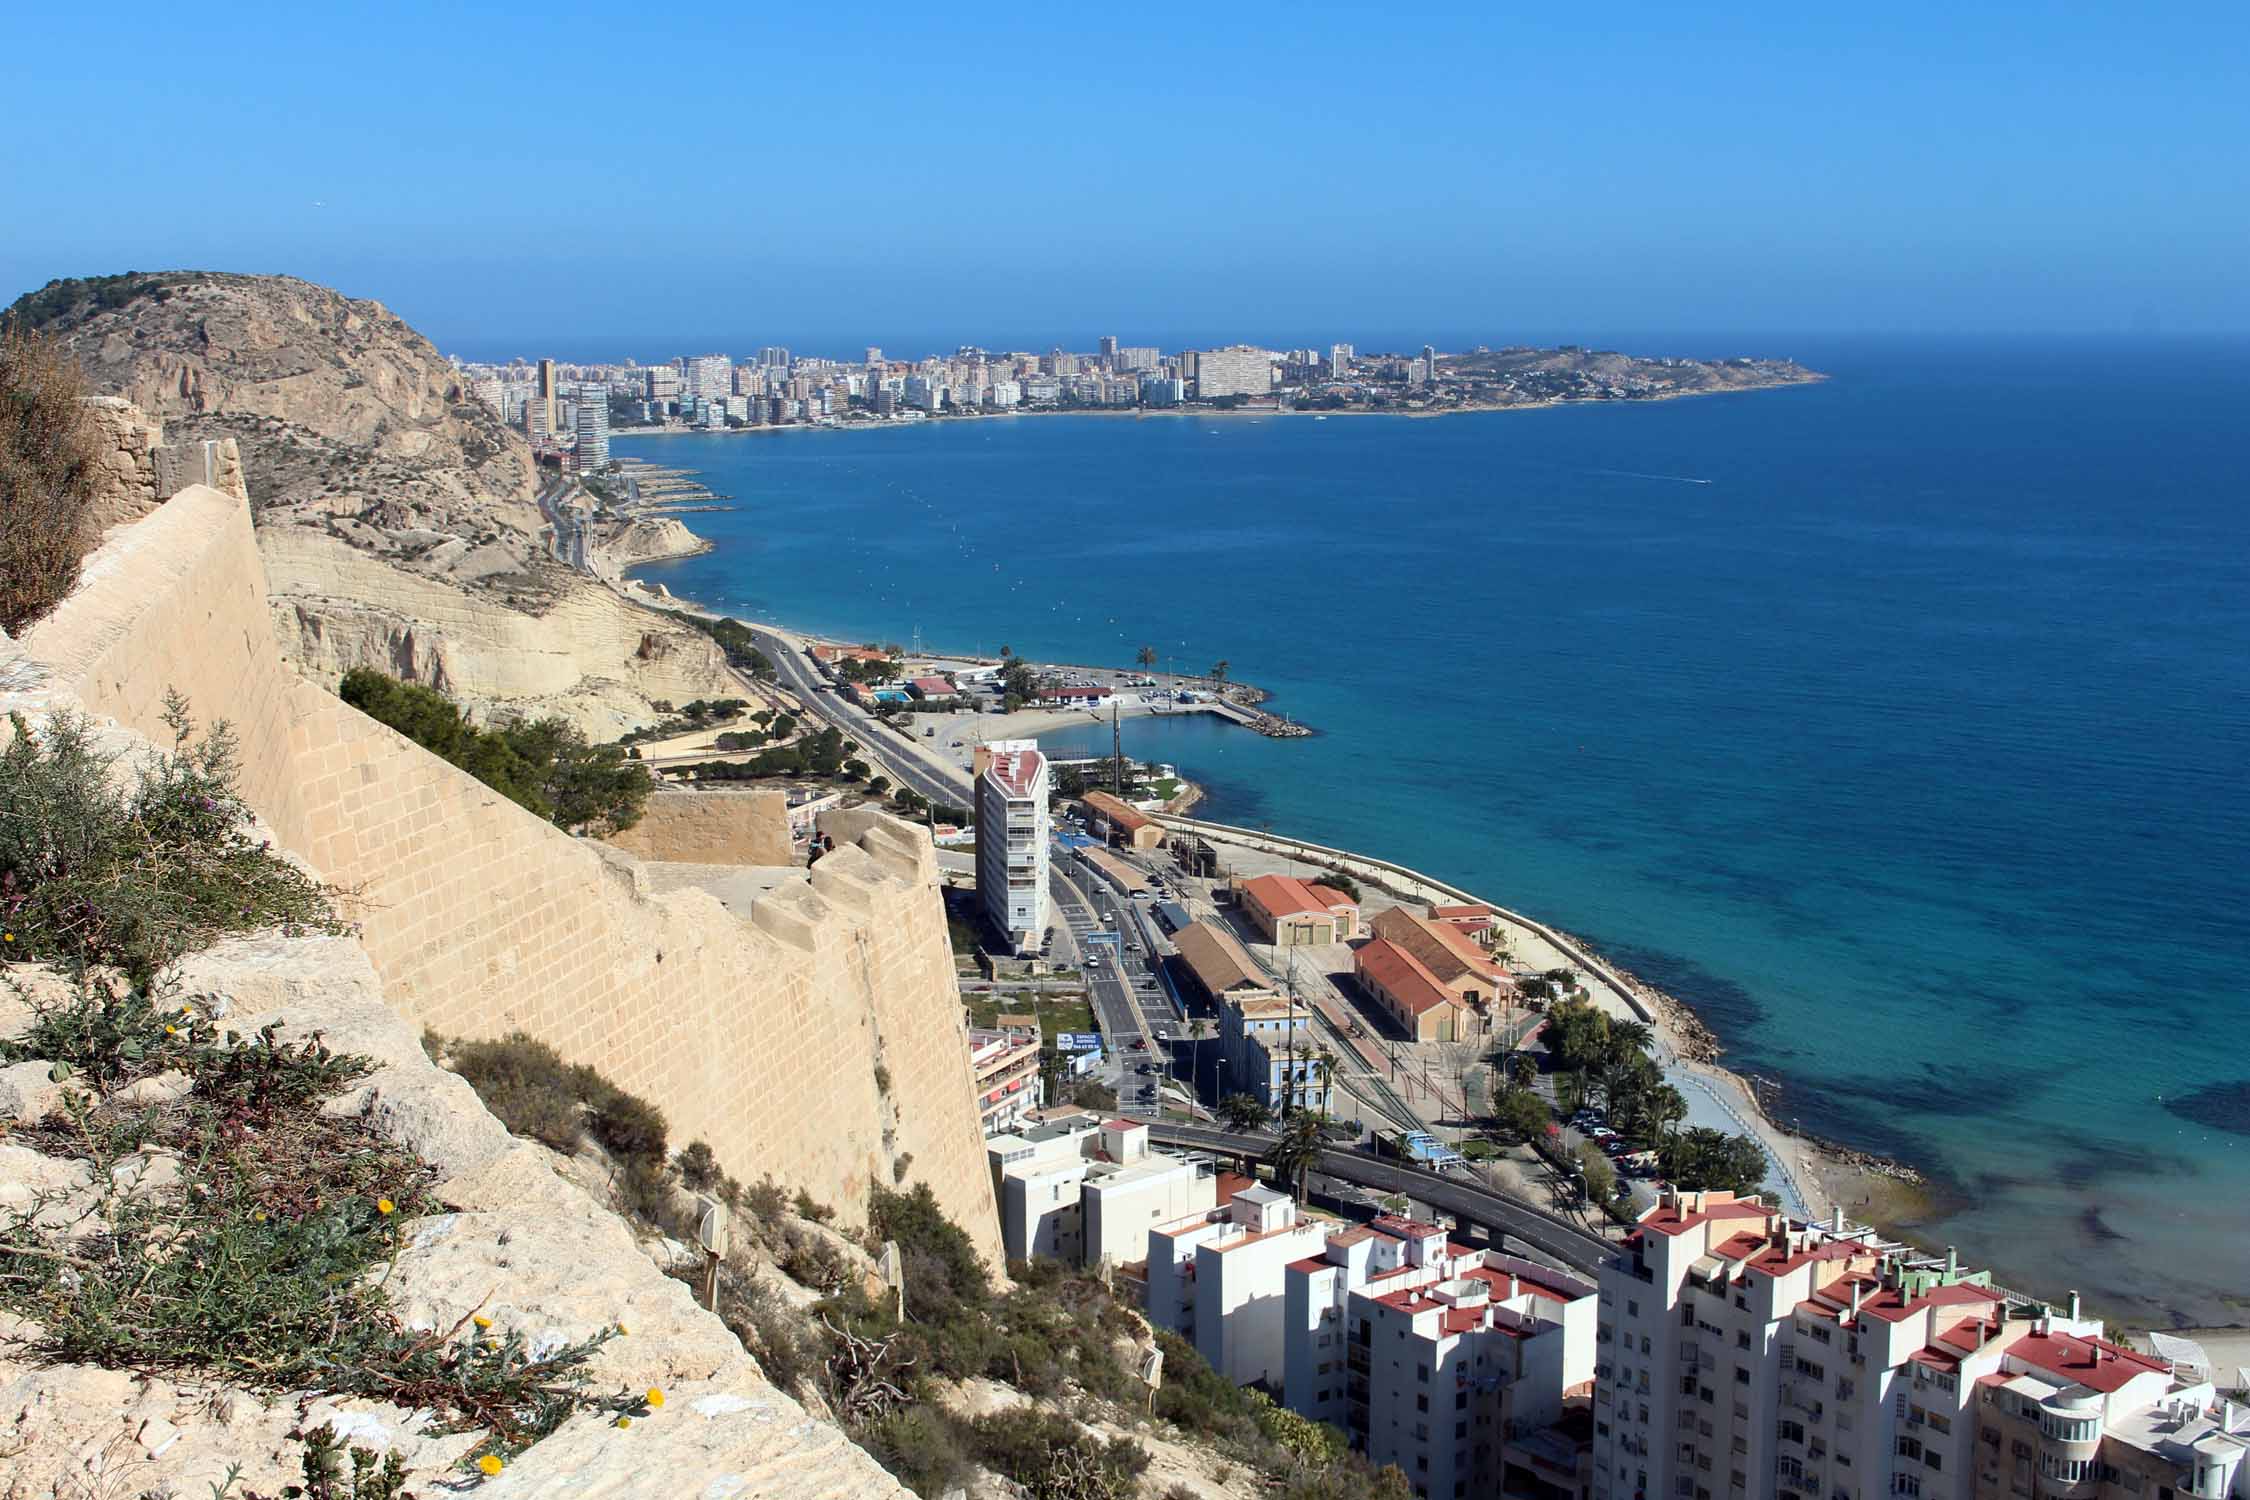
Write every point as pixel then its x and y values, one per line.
pixel 1289 911
pixel 1124 823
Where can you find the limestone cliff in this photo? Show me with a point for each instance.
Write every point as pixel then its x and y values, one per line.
pixel 399 512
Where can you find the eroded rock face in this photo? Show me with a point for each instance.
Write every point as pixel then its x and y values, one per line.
pixel 397 512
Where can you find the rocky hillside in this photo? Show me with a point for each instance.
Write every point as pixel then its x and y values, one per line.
pixel 398 513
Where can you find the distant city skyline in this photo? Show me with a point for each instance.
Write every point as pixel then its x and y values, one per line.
pixel 1765 169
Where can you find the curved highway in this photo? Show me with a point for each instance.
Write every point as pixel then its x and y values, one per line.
pixel 876 740
pixel 1547 1233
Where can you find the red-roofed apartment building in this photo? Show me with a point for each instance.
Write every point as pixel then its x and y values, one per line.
pixel 1431 1355
pixel 1291 912
pixel 1749 1355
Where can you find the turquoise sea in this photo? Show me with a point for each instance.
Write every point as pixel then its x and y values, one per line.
pixel 1899 724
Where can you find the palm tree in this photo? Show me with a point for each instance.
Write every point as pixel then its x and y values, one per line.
pixel 1146 656
pixel 1629 1038
pixel 1199 1032
pixel 1297 1150
pixel 1243 1112
pixel 1219 670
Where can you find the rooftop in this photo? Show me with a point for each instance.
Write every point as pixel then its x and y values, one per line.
pixel 1217 959
pixel 1016 772
pixel 1283 896
pixel 1406 978
pixel 1123 814
pixel 2097 1364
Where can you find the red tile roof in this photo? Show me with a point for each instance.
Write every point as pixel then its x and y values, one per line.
pixel 1123 814
pixel 1282 896
pixel 1666 1219
pixel 2094 1363
pixel 1016 770
pixel 1402 976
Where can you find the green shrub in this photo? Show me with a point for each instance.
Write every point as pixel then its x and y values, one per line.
pixel 544 765
pixel 921 1446
pixel 96 871
pixel 1054 1458
pixel 256 1264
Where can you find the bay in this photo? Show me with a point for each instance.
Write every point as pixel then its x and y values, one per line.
pixel 1898 723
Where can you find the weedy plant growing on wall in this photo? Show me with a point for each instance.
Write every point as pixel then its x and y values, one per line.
pixel 131 867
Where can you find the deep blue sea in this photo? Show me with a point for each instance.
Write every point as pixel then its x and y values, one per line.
pixel 1899 724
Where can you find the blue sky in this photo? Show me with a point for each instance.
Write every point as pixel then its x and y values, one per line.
pixel 831 176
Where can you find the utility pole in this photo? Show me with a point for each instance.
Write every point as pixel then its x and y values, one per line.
pixel 1116 752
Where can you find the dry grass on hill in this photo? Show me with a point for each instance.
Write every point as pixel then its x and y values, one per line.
pixel 47 462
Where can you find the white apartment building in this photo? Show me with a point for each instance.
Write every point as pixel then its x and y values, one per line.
pixel 1216 1279
pixel 709 376
pixel 1014 831
pixel 1432 1355
pixel 1746 1356
pixel 1237 371
pixel 1083 1192
pixel 593 433
pixel 1339 358
pixel 2080 1418
pixel 1138 357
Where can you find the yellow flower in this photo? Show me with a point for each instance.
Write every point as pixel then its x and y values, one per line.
pixel 622 1330
pixel 481 1321
pixel 259 1215
pixel 491 1463
pixel 624 1421
pixel 171 1031
pixel 385 1206
pixel 655 1396
pixel 10 936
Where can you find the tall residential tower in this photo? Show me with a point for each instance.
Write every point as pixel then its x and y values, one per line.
pixel 1013 832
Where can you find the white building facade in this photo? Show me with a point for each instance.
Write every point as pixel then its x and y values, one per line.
pixel 1014 832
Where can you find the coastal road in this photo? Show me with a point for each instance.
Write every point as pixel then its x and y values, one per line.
pixel 876 740
pixel 1553 1236
pixel 1124 1014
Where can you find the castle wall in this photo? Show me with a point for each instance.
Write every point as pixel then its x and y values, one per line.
pixel 762 1037
pixel 711 828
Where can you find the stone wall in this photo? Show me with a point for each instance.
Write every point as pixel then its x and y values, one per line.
pixel 135 466
pixel 711 828
pixel 762 1037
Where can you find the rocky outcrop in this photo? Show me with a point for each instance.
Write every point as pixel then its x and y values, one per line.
pixel 650 540
pixel 352 431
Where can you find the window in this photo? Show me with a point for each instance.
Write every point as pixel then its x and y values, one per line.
pixel 1790 1432
pixel 1460 1400
pixel 1632 1309
pixel 1460 1429
pixel 1741 1375
pixel 1421 1403
pixel 1933 1458
pixel 1421 1372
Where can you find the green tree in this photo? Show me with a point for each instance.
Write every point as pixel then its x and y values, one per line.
pixel 1600 1177
pixel 1577 1036
pixel 544 766
pixel 1244 1112
pixel 1701 1157
pixel 1146 656
pixel 1296 1151
pixel 1523 1069
pixel 1219 670
pixel 1519 1115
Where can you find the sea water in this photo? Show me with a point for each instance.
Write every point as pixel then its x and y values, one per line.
pixel 1898 723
